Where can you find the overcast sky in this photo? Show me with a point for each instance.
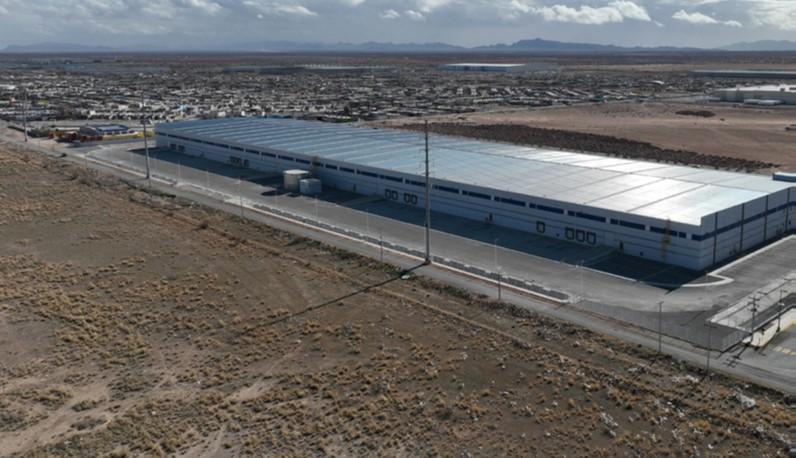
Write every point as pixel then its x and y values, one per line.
pixel 195 23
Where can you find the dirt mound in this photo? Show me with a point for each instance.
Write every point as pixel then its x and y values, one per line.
pixel 602 144
pixel 697 113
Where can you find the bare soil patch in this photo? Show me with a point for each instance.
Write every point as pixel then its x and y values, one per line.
pixel 164 328
pixel 741 138
pixel 576 141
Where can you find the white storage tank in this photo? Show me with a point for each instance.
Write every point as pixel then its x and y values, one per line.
pixel 310 186
pixel 292 179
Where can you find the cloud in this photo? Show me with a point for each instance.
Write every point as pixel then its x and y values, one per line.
pixel 204 6
pixel 779 14
pixel 702 19
pixel 427 6
pixel 614 12
pixel 390 14
pixel 414 15
pixel 270 8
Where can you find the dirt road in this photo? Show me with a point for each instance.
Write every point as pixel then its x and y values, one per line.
pixel 139 324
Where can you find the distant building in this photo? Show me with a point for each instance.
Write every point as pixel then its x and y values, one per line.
pixel 759 95
pixel 499 68
pixel 310 68
pixel 759 74
pixel 97 130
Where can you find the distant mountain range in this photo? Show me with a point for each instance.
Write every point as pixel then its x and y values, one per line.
pixel 764 45
pixel 49 47
pixel 523 46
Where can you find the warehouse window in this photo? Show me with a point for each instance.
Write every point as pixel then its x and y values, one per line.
pixel 590 217
pixel 237 148
pixel 591 238
pixel 477 195
pixel 344 169
pixel 395 179
pixel 286 158
pixel 330 166
pixel 540 227
pixel 545 208
pixel 416 183
pixel 660 230
pixel 570 233
pixel 446 189
pixel 614 221
pixel 367 174
pixel 624 223
pixel 580 236
pixel 269 155
pixel 302 161
pixel 506 200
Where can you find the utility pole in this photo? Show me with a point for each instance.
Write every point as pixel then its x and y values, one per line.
pixel 240 195
pixel 497 270
pixel 25 113
pixel 381 245
pixel 146 141
pixel 754 318
pixel 660 327
pixel 428 203
pixel 781 305
pixel 494 245
pixel 500 294
pixel 710 346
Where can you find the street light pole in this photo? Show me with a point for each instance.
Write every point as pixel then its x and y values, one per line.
pixel 754 318
pixel 710 345
pixel 146 142
pixel 781 305
pixel 660 327
pixel 494 245
pixel 428 202
pixel 240 195
pixel 25 113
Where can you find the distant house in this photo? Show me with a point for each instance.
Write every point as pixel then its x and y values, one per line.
pixel 101 130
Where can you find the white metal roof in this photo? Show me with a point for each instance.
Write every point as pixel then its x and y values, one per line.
pixel 655 190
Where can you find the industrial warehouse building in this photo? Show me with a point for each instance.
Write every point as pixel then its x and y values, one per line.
pixel 685 216
pixel 98 130
pixel 760 95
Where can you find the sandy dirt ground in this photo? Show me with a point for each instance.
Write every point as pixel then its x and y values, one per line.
pixel 133 323
pixel 746 133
